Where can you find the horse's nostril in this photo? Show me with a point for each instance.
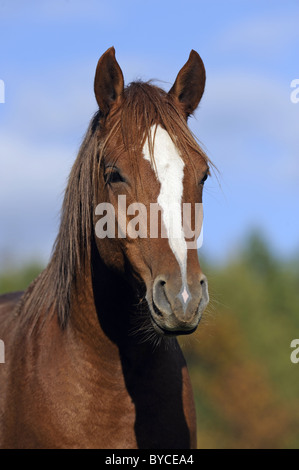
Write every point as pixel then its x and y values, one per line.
pixel 204 289
pixel 161 305
pixel 156 310
pixel 203 281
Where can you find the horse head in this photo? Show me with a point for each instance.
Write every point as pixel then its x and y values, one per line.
pixel 150 169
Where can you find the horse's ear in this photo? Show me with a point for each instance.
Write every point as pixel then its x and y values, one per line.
pixel 108 81
pixel 190 82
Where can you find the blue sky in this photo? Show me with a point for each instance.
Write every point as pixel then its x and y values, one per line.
pixel 246 121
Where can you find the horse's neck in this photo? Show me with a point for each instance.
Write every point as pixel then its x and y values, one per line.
pixel 84 324
pixel 101 315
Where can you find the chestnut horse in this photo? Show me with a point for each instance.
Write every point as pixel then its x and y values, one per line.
pixel 91 355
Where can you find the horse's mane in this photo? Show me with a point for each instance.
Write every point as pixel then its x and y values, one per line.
pixel 143 106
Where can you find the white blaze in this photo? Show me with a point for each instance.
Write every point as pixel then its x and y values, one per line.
pixel 170 174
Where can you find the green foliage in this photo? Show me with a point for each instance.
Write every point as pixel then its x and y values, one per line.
pixel 246 388
pixel 19 279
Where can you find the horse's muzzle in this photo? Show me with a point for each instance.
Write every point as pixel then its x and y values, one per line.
pixel 177 310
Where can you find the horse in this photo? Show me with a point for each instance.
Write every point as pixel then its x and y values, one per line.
pixel 92 358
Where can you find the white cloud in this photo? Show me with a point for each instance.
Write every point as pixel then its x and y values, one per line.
pixel 33 178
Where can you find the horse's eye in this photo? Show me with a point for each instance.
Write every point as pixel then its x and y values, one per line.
pixel 112 175
pixel 204 178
